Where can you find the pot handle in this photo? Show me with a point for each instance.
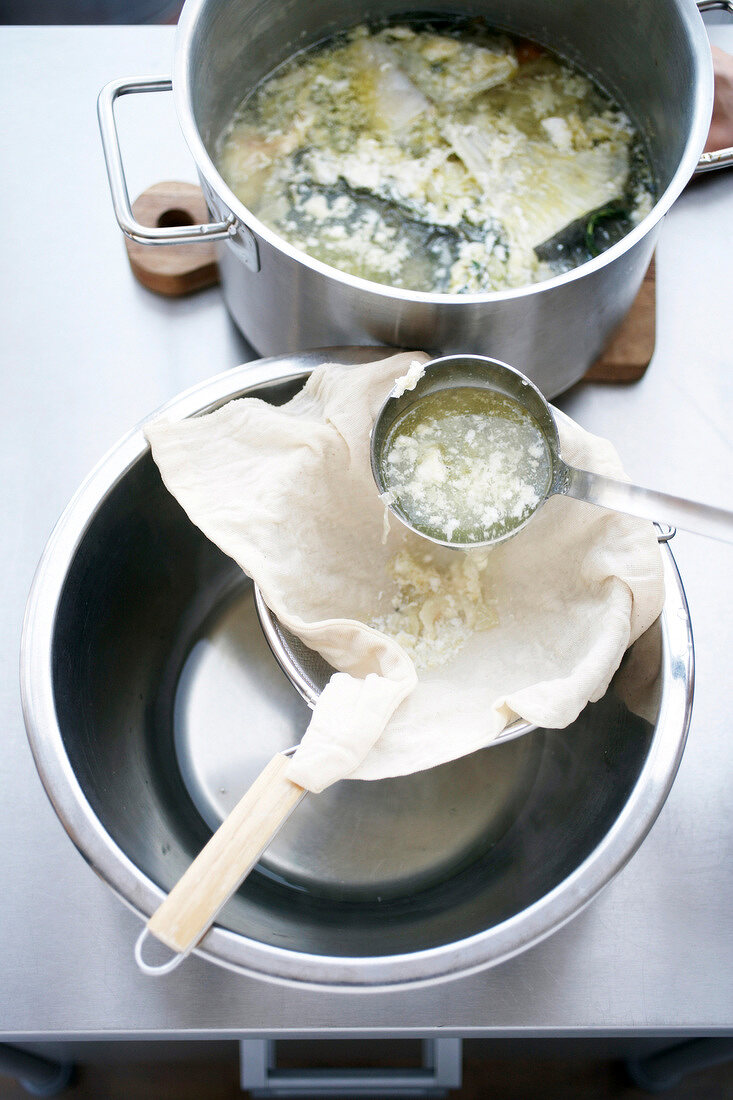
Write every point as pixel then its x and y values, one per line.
pixel 718 158
pixel 143 234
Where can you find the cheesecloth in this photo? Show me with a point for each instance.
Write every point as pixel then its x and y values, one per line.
pixel 288 493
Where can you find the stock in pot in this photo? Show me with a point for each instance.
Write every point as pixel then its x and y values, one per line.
pixel 654 59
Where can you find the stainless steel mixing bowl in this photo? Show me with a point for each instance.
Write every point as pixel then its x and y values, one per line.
pixel 152 700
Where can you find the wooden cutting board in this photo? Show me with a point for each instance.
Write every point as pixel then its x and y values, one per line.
pixel 176 270
pixel 172 270
pixel 632 345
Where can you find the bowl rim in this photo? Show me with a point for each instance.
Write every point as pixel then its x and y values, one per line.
pixel 230 949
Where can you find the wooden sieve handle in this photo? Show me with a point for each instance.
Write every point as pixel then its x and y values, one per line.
pixel 193 903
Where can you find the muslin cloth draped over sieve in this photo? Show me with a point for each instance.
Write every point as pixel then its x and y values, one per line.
pixel 288 493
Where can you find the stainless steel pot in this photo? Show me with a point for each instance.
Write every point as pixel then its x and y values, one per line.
pixel 653 58
pixel 152 701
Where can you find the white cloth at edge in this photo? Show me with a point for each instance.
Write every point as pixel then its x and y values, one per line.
pixel 288 493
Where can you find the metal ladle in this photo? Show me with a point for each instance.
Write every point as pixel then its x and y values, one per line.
pixel 481 372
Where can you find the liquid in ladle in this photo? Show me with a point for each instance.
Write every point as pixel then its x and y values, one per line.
pixel 466 465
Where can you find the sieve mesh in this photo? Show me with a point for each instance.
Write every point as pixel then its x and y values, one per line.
pixel 307 671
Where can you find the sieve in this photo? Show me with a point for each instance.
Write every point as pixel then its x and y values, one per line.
pixel 480 372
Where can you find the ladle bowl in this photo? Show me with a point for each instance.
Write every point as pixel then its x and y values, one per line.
pixel 483 373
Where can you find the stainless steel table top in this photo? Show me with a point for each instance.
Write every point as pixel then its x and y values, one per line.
pixel 86 353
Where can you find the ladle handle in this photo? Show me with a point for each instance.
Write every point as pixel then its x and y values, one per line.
pixel 223 864
pixel 690 515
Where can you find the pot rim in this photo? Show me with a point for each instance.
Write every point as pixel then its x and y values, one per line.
pixel 703 93
pixel 231 949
